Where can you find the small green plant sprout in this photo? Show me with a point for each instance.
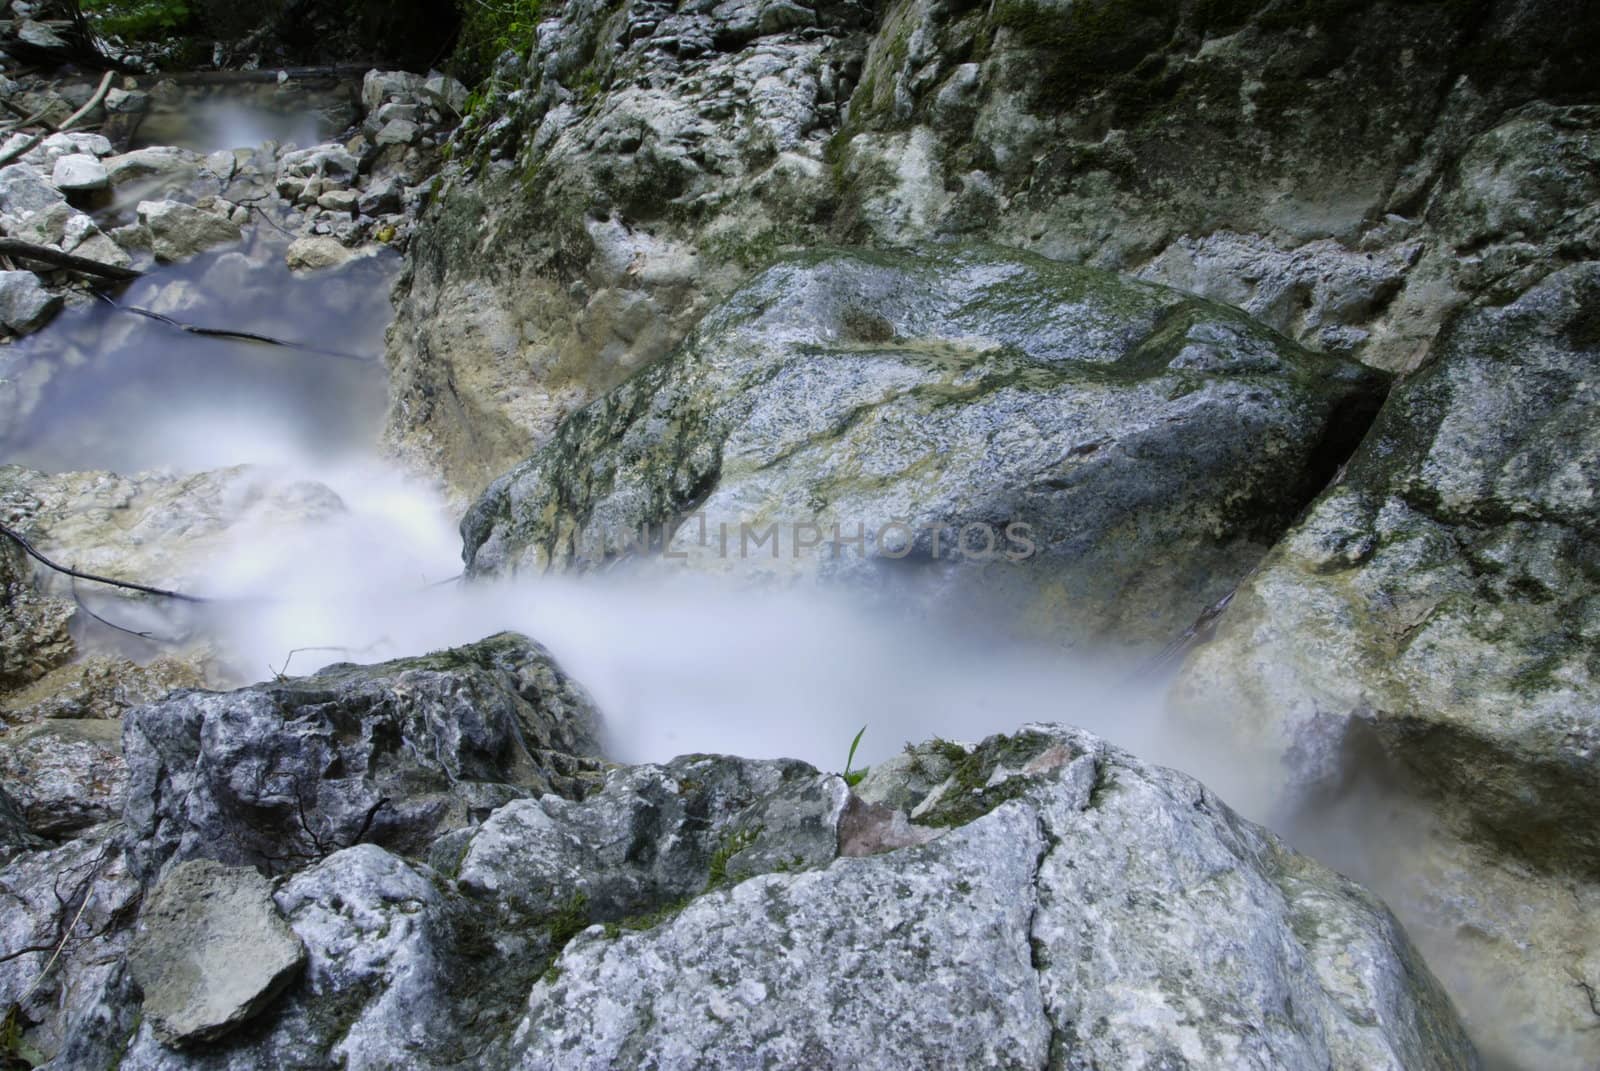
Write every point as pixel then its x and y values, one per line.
pixel 854 778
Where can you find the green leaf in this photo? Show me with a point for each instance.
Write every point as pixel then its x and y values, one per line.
pixel 851 758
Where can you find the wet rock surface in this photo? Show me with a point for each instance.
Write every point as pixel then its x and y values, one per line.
pixel 1441 594
pixel 282 774
pixel 1007 941
pixel 65 775
pixel 639 165
pixel 1410 184
pixel 1144 444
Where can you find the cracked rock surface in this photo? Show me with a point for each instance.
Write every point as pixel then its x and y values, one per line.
pixel 1064 905
pixel 284 773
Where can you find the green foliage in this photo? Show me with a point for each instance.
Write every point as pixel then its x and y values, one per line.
pixel 15 1052
pixel 488 28
pixel 732 845
pixel 570 919
pixel 854 779
pixel 137 19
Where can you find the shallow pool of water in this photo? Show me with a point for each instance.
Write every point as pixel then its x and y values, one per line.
pixel 207 117
pixel 107 388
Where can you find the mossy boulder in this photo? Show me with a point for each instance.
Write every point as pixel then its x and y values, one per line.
pixel 1445 592
pixel 1434 624
pixel 1093 457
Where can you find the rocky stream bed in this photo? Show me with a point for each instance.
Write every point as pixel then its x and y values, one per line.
pixel 1174 421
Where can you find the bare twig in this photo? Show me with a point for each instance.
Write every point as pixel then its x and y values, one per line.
pixel 73 583
pixel 1589 992
pixel 267 217
pixel 56 258
pixel 94 102
pixel 21 541
pixel 149 637
pixel 281 672
pixel 87 892
pixel 231 335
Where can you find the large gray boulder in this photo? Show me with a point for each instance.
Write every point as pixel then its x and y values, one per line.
pixel 1070 907
pixel 638 164
pixel 281 774
pixel 179 231
pixel 210 951
pixel 1099 457
pixel 1323 165
pixel 1437 609
pixel 1442 595
pixel 1083 910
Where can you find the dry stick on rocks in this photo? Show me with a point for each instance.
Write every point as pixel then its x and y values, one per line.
pixel 148 637
pixel 94 102
pixel 14 247
pixel 28 548
pixel 225 333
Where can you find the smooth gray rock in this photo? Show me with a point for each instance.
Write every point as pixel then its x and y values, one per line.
pixel 24 192
pixel 281 774
pixel 398 132
pixel 959 406
pixel 211 951
pixel 179 230
pixel 173 166
pixel 127 102
pixel 80 173
pixel 339 200
pixel 446 92
pixel 317 253
pixel 25 304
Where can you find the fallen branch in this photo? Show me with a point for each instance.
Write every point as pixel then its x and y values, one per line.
pixel 15 247
pixel 24 119
pixel 282 672
pixel 87 892
pixel 28 548
pixel 94 102
pixel 226 333
pixel 148 637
